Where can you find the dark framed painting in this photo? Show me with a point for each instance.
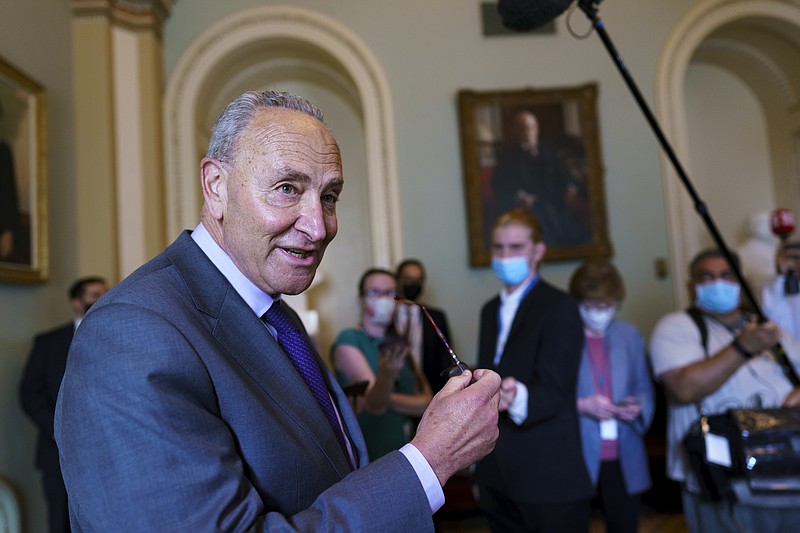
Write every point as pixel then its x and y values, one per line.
pixel 23 178
pixel 538 150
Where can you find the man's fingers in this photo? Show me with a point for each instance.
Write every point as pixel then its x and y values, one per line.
pixel 456 383
pixel 488 382
pixel 480 372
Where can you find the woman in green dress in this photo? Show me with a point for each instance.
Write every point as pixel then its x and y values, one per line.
pixel 397 390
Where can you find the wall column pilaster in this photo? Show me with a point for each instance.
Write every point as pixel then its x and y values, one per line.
pixel 118 81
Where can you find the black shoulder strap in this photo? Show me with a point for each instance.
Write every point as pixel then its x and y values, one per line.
pixel 697 316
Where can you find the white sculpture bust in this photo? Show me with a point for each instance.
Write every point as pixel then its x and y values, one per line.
pixel 757 252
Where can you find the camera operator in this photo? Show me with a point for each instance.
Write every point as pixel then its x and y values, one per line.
pixel 781 296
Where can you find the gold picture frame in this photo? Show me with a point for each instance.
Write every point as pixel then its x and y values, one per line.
pixel 540 150
pixel 23 178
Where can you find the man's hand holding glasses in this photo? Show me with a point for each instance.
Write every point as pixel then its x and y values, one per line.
pixel 460 425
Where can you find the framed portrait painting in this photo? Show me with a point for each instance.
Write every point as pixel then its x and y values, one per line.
pixel 537 150
pixel 23 179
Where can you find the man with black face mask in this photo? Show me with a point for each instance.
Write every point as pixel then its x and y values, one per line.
pixel 38 391
pixel 781 296
pixel 428 350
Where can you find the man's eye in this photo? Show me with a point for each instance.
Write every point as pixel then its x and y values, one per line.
pixel 330 198
pixel 284 195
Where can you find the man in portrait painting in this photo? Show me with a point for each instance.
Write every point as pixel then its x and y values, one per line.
pixel 9 203
pixel 533 175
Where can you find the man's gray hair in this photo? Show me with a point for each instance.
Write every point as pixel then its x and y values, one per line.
pixel 240 112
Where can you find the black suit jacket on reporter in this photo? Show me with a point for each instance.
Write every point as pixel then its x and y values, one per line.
pixel 435 357
pixel 39 386
pixel 541 460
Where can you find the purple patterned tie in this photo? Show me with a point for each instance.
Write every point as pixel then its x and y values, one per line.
pixel 297 347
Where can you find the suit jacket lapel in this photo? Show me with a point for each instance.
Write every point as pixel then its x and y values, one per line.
pixel 526 316
pixel 247 340
pixel 489 333
pixel 349 420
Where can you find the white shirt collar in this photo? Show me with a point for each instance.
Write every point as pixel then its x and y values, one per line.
pixel 255 298
pixel 518 293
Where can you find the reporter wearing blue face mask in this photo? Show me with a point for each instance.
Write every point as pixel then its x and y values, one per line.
pixel 531 334
pixel 728 366
pixel 614 396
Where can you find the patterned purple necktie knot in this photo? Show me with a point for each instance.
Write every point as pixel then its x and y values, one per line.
pixel 296 345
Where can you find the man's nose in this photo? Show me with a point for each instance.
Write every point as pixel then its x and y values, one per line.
pixel 311 220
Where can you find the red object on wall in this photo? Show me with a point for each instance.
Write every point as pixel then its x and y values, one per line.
pixel 783 223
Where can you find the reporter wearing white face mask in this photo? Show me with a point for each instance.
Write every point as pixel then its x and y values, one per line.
pixel 373 352
pixel 614 396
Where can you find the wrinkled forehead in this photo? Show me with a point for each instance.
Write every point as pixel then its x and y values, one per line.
pixel 286 132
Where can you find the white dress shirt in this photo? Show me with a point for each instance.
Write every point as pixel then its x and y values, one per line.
pixel 509 304
pixel 781 308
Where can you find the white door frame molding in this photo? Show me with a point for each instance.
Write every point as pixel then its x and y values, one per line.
pixel 673 65
pixel 207 56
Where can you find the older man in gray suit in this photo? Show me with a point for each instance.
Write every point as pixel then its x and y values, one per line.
pixel 192 401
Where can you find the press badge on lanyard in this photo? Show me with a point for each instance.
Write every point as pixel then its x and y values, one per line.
pixel 609 429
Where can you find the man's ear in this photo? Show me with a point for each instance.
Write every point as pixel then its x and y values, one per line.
pixel 690 286
pixel 213 180
pixel 539 249
pixel 76 306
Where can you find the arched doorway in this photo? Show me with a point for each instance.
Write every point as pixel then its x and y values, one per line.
pixel 307 53
pixel 727 94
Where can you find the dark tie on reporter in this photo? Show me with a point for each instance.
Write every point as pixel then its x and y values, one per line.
pixel 296 345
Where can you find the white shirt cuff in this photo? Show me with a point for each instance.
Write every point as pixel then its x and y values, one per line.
pixel 426 475
pixel 518 410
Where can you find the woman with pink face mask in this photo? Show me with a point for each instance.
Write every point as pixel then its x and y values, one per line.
pixel 614 396
pixel 397 391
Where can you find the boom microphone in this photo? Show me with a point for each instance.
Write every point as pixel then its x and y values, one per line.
pixel 526 15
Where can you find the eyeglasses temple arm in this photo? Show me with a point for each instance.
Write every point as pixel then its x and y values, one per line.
pixel 438 331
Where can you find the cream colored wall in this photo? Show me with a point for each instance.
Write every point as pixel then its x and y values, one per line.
pixel 36 37
pixel 724 118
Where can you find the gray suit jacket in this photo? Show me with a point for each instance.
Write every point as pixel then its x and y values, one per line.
pixel 180 412
pixel 630 376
